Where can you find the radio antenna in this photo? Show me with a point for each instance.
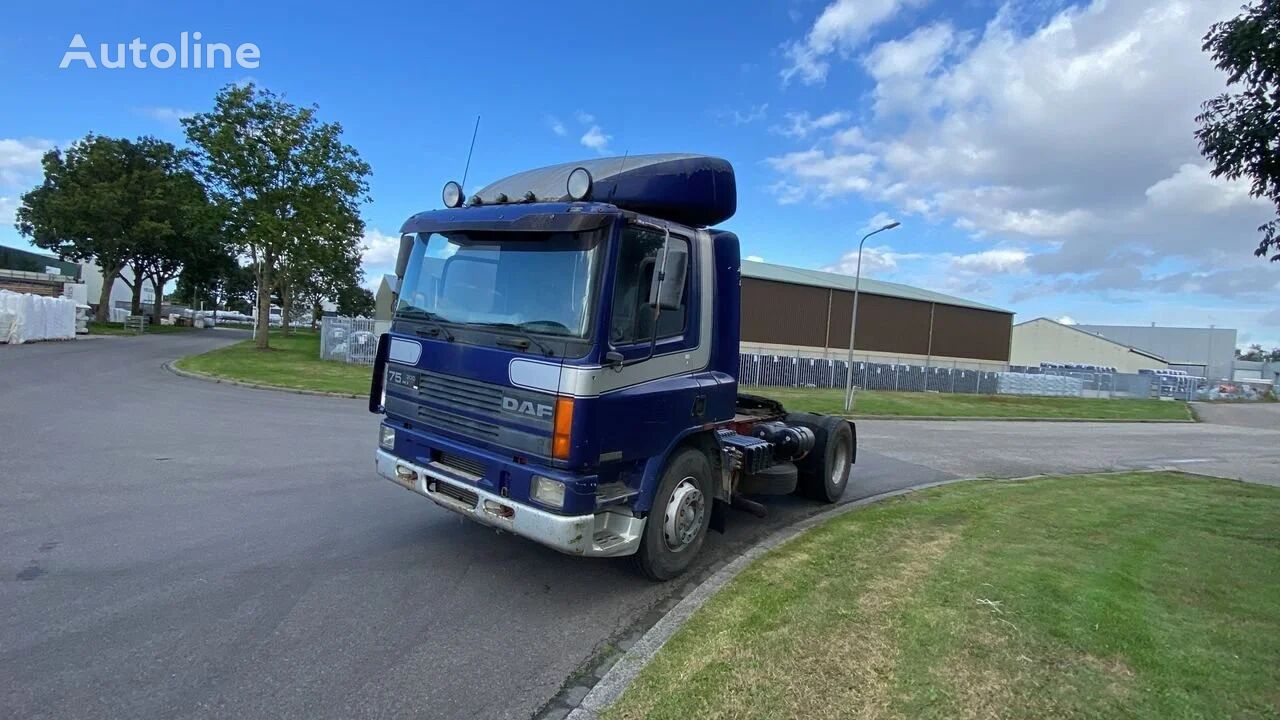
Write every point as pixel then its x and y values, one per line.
pixel 621 164
pixel 470 150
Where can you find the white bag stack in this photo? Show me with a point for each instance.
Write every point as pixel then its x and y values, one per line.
pixel 27 318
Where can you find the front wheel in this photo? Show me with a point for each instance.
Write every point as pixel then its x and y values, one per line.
pixel 678 521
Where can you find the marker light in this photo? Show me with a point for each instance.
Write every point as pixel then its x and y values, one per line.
pixel 453 195
pixel 562 428
pixel 579 184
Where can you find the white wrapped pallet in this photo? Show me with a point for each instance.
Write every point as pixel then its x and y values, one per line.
pixel 29 318
pixel 1011 383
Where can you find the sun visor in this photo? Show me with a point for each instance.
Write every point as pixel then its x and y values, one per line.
pixel 696 190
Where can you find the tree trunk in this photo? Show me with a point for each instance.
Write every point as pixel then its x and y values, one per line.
pixel 135 306
pixel 285 302
pixel 264 308
pixel 103 313
pixel 315 314
pixel 157 307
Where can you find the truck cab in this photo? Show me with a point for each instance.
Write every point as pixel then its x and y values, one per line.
pixel 562 364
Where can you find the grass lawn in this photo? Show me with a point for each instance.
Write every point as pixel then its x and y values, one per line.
pixel 97 328
pixel 1144 595
pixel 878 402
pixel 292 362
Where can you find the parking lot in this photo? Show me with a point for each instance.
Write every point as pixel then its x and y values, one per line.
pixel 177 548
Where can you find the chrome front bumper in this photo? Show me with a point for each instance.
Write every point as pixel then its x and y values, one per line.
pixel 603 534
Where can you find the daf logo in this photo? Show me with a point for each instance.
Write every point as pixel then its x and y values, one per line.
pixel 526 407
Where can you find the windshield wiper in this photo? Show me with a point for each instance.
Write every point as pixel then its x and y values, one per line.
pixel 426 316
pixel 522 342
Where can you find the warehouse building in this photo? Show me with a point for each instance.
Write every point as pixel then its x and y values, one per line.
pixel 1044 341
pixel 793 311
pixel 1204 352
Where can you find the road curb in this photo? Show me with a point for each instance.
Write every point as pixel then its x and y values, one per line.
pixel 970 418
pixel 206 377
pixel 610 687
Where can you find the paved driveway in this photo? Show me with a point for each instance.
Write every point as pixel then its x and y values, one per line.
pixel 175 548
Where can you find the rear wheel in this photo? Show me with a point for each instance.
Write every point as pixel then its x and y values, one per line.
pixel 825 471
pixel 678 521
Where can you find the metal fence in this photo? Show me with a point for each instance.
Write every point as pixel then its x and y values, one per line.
pixel 792 371
pixel 351 340
pixel 789 371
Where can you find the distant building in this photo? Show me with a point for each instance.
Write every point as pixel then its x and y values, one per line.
pixel 1207 352
pixel 789 310
pixel 1044 341
pixel 121 294
pixel 24 271
pixel 384 300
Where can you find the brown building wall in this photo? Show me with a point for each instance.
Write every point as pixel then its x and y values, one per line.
pixel 783 313
pixel 787 314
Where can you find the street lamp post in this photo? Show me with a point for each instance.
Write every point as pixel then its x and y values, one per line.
pixel 853 322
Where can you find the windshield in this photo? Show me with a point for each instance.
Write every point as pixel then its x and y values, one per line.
pixel 538 282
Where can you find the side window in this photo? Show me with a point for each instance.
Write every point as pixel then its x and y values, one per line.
pixel 632 314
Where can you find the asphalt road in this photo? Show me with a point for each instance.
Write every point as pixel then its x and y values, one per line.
pixel 175 548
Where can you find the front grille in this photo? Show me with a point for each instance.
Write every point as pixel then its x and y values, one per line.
pixel 459 424
pixel 461 392
pixel 462 495
pixel 473 468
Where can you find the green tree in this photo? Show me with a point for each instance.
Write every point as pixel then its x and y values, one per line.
pixel 1240 131
pixel 356 301
pixel 97 203
pixel 279 176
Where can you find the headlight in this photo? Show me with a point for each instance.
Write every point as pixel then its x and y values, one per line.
pixel 387 437
pixel 548 491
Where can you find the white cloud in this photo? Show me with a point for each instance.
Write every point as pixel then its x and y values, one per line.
pixel 827 175
pixel 168 115
pixel 995 260
pixel 755 258
pixel 902 68
pixel 1067 320
pixel 843 26
pixel 380 249
pixel 20 160
pixel 745 117
pixel 556 126
pixel 8 211
pixel 1193 188
pixel 596 139
pixel 800 124
pixel 877 221
pixel 585 118
pixel 875 260
pixel 1073 138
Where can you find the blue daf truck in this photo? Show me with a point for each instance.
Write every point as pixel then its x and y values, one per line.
pixel 562 364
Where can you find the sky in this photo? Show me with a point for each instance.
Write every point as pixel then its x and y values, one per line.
pixel 1038 153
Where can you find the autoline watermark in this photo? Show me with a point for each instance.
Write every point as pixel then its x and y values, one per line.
pixel 189 52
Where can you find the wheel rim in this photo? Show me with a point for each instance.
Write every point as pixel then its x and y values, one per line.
pixel 840 464
pixel 683 516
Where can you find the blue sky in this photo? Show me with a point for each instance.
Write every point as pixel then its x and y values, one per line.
pixel 1038 153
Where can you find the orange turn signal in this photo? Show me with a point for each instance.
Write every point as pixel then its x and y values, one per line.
pixel 563 425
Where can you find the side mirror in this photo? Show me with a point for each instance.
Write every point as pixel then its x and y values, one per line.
pixel 613 359
pixel 666 290
pixel 402 260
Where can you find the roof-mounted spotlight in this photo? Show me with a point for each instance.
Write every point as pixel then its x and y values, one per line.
pixel 579 184
pixel 452 195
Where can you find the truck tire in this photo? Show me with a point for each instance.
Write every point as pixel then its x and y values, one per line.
pixel 678 520
pixel 825 471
